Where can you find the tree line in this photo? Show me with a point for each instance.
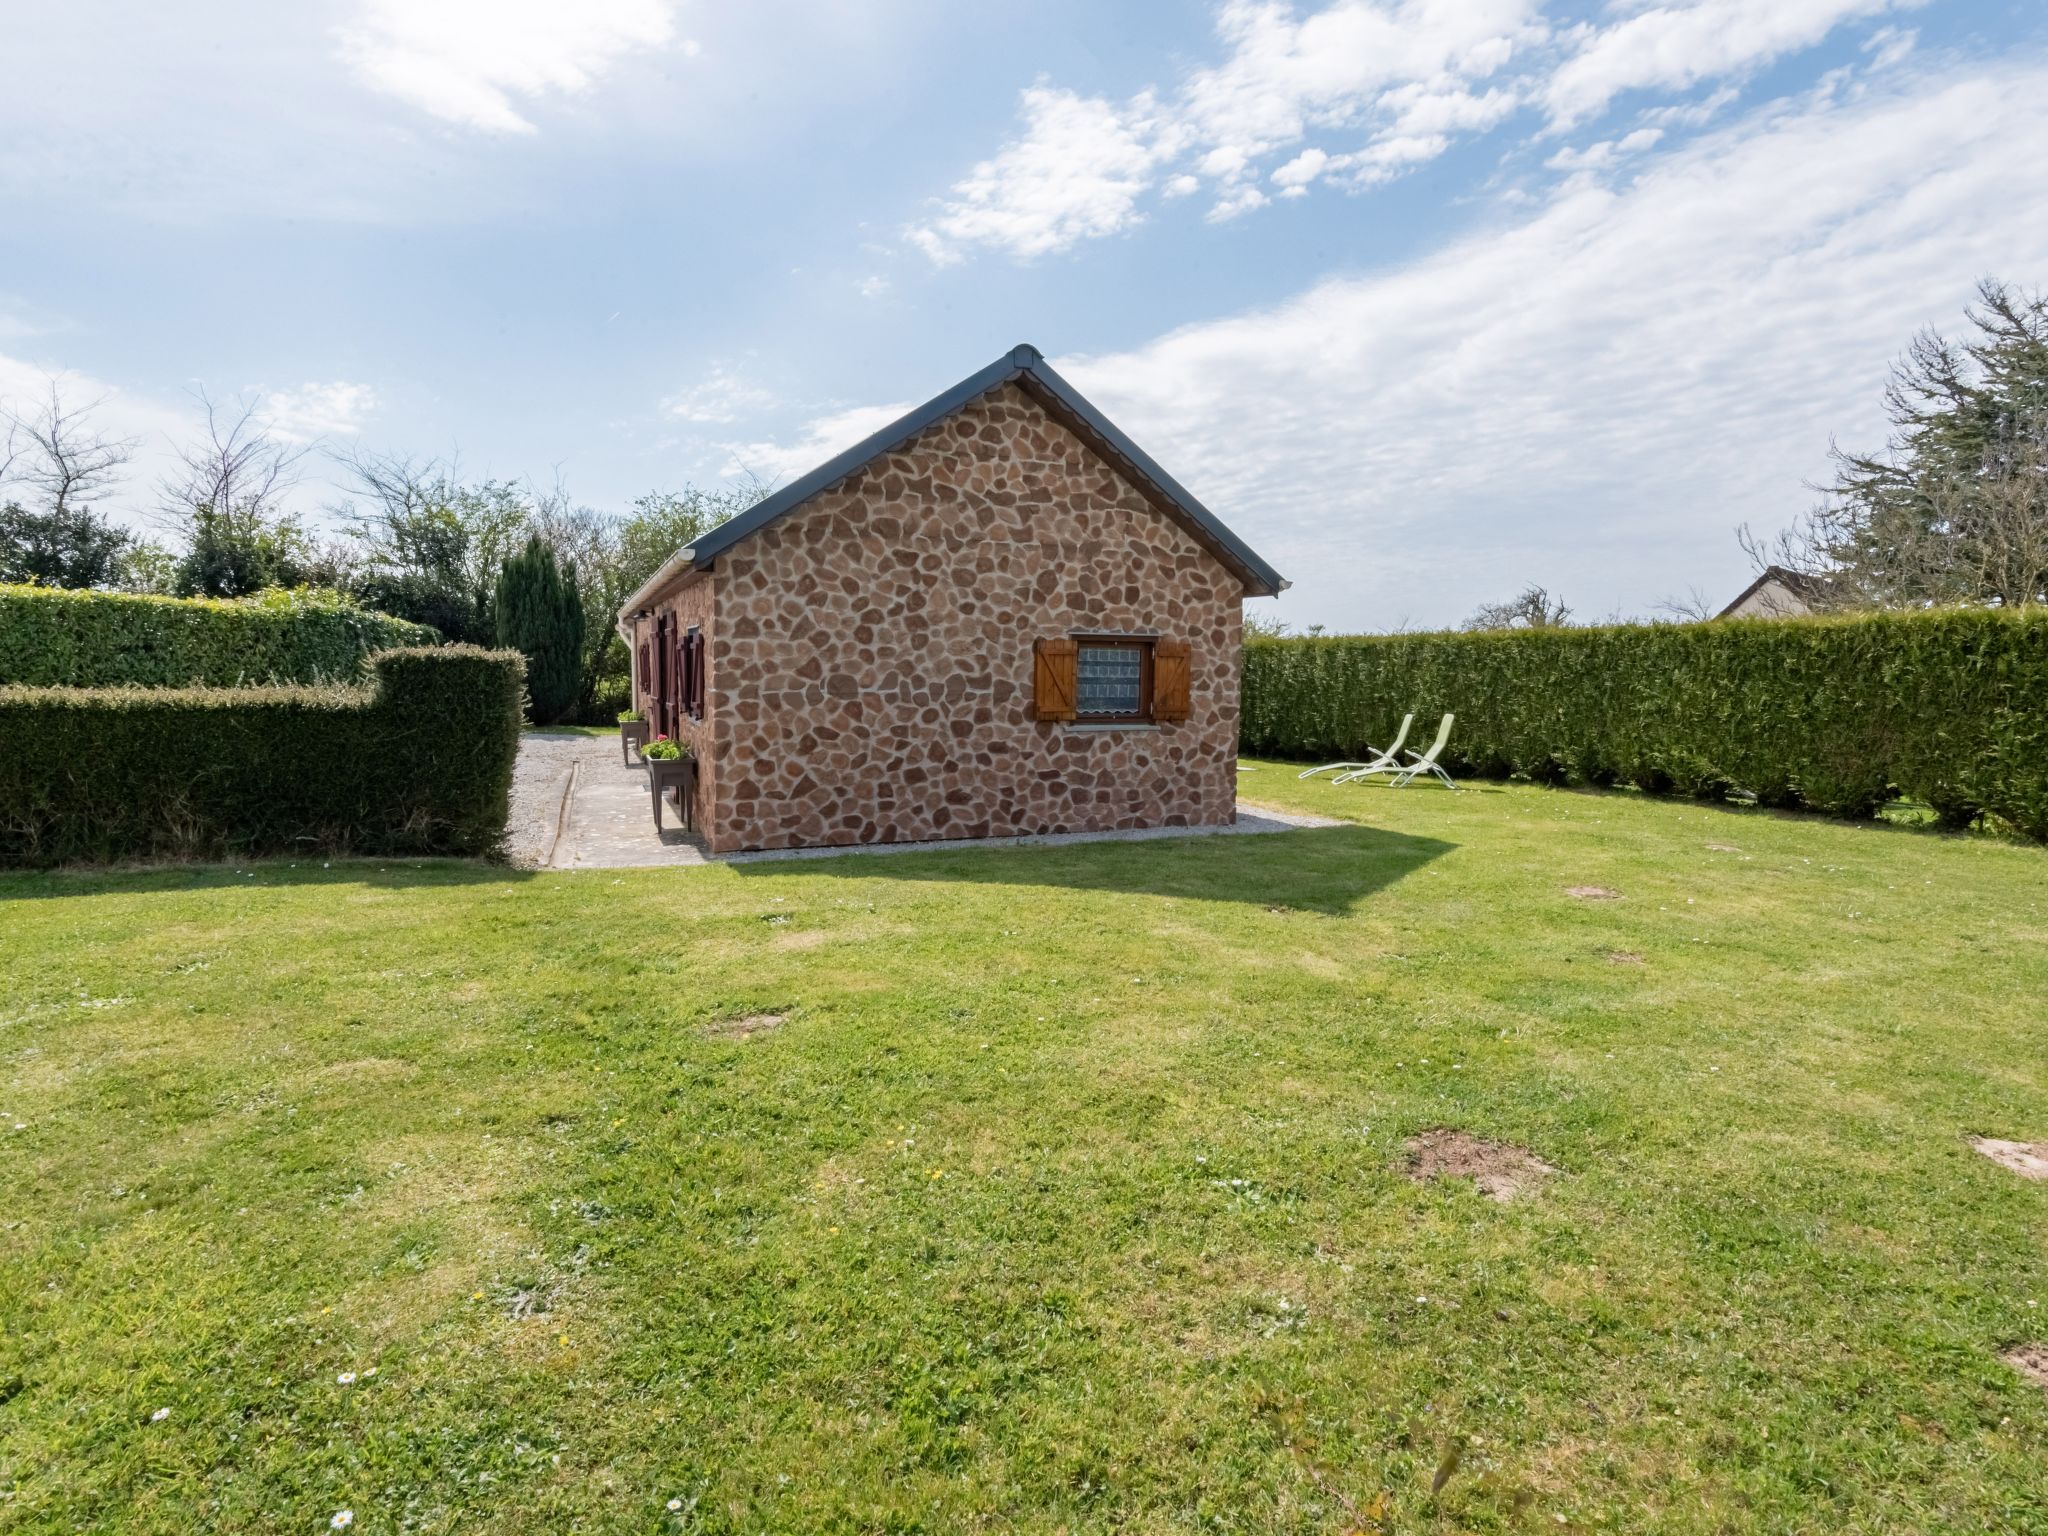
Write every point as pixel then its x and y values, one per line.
pixel 490 561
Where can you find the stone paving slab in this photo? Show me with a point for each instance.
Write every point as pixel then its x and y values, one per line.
pixel 606 820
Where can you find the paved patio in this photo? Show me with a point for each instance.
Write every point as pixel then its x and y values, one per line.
pixel 575 806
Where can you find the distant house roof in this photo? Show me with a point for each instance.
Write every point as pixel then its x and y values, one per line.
pixel 1813 592
pixel 1026 367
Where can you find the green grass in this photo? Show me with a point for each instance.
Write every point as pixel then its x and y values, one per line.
pixel 1070 1194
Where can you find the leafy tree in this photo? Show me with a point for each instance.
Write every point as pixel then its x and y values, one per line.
pixel 1954 508
pixel 147 567
pixel 61 547
pixel 663 522
pixel 540 614
pixel 614 556
pixel 432 547
pixel 1532 608
pixel 239 552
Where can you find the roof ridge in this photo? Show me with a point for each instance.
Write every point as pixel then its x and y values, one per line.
pixel 1021 361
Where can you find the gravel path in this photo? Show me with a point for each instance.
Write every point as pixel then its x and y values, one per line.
pixel 540 780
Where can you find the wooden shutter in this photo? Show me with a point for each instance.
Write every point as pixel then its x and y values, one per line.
pixel 1169 680
pixel 1053 678
pixel 678 658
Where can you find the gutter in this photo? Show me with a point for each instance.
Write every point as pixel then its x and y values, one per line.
pixel 670 568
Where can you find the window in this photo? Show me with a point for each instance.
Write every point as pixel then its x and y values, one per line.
pixel 1113 679
pixel 1110 679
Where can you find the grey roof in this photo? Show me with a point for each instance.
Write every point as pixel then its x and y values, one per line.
pixel 1026 367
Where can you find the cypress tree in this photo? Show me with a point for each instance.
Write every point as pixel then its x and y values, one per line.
pixel 540 614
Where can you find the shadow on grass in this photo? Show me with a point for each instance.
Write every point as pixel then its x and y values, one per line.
pixel 1315 869
pixel 142 879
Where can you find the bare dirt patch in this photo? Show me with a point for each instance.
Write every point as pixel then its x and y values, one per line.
pixel 2028 1159
pixel 1502 1170
pixel 2031 1361
pixel 1624 957
pixel 745 1027
pixel 1722 848
pixel 1592 893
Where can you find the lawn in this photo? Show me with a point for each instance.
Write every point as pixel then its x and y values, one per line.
pixel 1069 1192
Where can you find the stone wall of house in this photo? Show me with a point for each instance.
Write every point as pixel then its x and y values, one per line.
pixel 875 649
pixel 692 600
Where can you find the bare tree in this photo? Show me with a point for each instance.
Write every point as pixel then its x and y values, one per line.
pixel 1532 608
pixel 1692 606
pixel 57 452
pixel 236 469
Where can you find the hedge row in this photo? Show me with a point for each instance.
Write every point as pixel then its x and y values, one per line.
pixel 58 637
pixel 1836 715
pixel 417 762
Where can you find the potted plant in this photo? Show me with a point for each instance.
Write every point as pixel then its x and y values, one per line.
pixel 632 733
pixel 670 766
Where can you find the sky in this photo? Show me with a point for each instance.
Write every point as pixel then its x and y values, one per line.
pixel 1427 299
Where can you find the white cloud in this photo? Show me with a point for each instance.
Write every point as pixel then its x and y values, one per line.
pixel 1354 65
pixel 774 463
pixel 465 61
pixel 1596 396
pixel 1676 46
pixel 1394 72
pixel 1076 173
pixel 723 395
pixel 1597 157
pixel 1356 94
pixel 335 409
pixel 1302 169
pixel 1890 45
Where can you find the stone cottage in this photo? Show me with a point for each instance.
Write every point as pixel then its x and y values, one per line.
pixel 996 616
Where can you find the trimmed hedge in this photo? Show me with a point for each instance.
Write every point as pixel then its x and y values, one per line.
pixel 1835 715
pixel 60 637
pixel 418 762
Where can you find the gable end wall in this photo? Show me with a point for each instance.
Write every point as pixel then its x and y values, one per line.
pixel 874 654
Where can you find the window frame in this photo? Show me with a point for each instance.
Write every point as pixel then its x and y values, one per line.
pixel 1142 644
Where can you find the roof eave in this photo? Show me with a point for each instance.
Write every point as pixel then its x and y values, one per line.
pixel 682 560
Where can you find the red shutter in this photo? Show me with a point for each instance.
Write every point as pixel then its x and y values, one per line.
pixel 693 674
pixel 682 672
pixel 1053 678
pixel 1170 668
